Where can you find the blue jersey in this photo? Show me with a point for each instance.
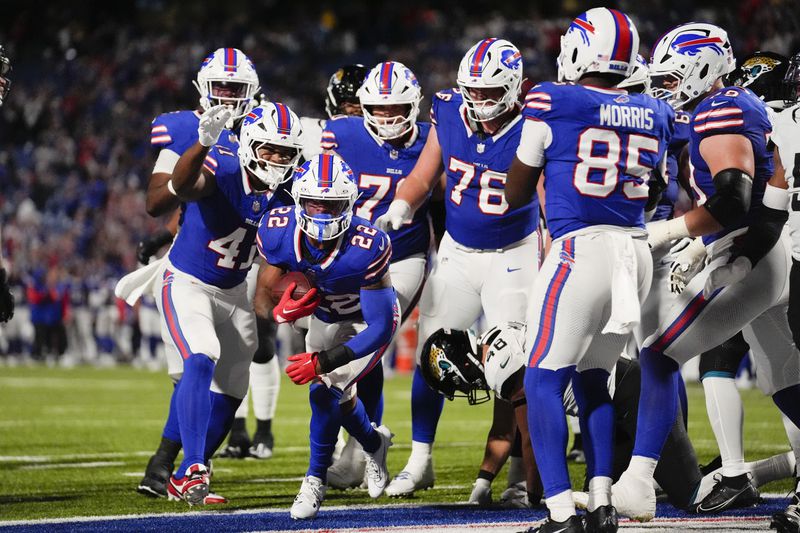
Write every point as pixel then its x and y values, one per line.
pixel 379 168
pixel 359 258
pixel 680 139
pixel 736 111
pixel 477 214
pixel 177 131
pixel 216 243
pixel 604 144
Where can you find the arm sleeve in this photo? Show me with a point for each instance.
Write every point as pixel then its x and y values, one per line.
pixel 377 306
pixel 764 233
pixel 535 139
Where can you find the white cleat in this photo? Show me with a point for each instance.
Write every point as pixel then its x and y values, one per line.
pixel 376 471
pixel 413 477
pixel 634 497
pixel 481 493
pixel 349 470
pixel 309 499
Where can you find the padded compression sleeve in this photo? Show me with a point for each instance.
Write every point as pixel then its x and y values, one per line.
pixel 377 306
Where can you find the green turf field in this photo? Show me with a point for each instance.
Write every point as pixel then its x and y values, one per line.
pixel 75 442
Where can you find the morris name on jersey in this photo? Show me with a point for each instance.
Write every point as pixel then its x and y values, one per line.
pixel 477 214
pixel 379 169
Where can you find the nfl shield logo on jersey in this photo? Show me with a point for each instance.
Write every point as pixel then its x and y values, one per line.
pixel 256 206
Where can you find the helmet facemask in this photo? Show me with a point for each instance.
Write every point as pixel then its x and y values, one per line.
pixel 272 164
pixel 487 109
pixel 391 127
pixel 791 82
pixel 324 219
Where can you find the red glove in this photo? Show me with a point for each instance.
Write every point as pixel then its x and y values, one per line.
pixel 303 367
pixel 289 310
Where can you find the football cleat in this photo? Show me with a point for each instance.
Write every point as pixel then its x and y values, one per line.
pixel 376 471
pixel 788 521
pixel 604 519
pixel 481 493
pixel 634 497
pixel 262 446
pixel 309 499
pixel 349 471
pixel 729 493
pixel 413 477
pixel 515 497
pixel 238 446
pixel 573 524
pixel 193 487
pixel 156 477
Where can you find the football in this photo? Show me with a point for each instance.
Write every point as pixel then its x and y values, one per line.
pixel 303 285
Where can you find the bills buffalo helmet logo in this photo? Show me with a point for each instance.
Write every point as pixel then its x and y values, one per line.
pixel 253 116
pixel 511 59
pixel 582 26
pixel 693 42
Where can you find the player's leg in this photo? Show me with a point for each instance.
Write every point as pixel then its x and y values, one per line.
pixel 265 381
pixel 449 299
pixel 498 447
pixel 694 324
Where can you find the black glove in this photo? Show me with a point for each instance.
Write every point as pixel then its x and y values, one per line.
pixel 150 245
pixel 6 298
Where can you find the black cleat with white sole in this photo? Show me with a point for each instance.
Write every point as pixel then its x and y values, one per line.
pixel 602 520
pixel 788 521
pixel 729 493
pixel 573 524
pixel 156 476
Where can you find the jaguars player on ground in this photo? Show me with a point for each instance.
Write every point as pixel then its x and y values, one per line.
pixel 353 314
pixel 208 318
pixel 227 77
pixel 731 165
pixel 585 302
pixel 487 259
pixel 382 148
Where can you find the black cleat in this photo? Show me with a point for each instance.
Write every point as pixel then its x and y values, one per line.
pixel 262 445
pixel 238 445
pixel 571 525
pixel 788 521
pixel 156 476
pixel 602 520
pixel 729 493
pixel 715 463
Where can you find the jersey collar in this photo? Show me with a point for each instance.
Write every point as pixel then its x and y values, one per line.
pixel 467 123
pixel 298 249
pixel 380 142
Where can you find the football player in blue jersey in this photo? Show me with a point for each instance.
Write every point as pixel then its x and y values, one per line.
pixel 6 298
pixel 381 149
pixel 488 256
pixel 226 76
pixel 353 314
pixel 743 285
pixel 596 145
pixel 208 320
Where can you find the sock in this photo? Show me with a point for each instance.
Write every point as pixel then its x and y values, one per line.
pixel 788 401
pixel 168 449
pixel 548 428
pixel 599 492
pixel 657 403
pixel 325 423
pixel 643 467
pixel 793 433
pixel 420 452
pixel 153 342
pixel 426 408
pixel 772 468
pixel 561 506
pixel 238 426
pixel 263 427
pixel 172 429
pixel 725 412
pixel 194 408
pixel 370 392
pixel 597 421
pixel 265 384
pixel 220 422
pixel 242 411
pixel 516 471
pixel 678 473
pixel 357 424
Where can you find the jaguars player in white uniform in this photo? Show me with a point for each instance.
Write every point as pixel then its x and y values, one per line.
pixel 487 258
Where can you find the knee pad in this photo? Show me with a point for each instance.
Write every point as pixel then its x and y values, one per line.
pixel 723 361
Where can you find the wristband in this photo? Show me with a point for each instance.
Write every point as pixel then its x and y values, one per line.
pixel 330 360
pixel 775 198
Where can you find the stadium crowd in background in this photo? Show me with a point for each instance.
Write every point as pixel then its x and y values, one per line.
pixel 74 144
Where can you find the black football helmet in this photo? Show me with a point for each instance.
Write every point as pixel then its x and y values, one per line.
pixel 5 69
pixel 791 82
pixel 343 86
pixel 763 73
pixel 450 364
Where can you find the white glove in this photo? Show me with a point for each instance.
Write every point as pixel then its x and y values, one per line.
pixel 399 213
pixel 212 122
pixel 662 232
pixel 728 274
pixel 689 259
pixel 481 493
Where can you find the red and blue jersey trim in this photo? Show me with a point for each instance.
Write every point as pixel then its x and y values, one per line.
pixel 476 67
pixel 685 319
pixel 171 317
pixel 623 43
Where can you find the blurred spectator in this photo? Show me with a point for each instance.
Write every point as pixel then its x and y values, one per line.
pixel 48 297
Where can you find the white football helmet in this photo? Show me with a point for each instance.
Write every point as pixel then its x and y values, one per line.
pixel 324 193
pixel 640 78
pixel 231 69
pixel 390 83
pixel 489 64
pixel 600 40
pixel 270 125
pixel 693 56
